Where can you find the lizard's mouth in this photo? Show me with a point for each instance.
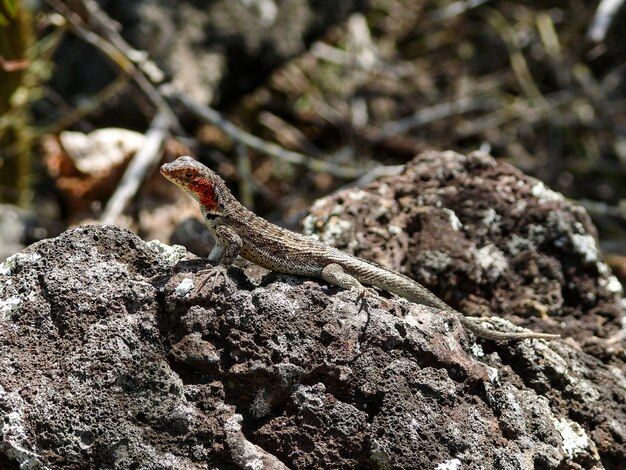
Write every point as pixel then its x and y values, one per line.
pixel 171 177
pixel 180 169
pixel 166 171
pixel 174 173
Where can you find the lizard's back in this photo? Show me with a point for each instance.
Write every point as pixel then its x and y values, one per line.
pixel 278 249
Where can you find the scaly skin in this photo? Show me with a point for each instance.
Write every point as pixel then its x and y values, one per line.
pixel 238 231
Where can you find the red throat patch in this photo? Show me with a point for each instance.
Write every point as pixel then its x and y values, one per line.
pixel 205 190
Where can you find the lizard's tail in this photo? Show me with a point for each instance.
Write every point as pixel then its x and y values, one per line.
pixel 391 281
pixel 474 325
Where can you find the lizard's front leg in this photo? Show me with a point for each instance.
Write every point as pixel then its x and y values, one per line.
pixel 224 253
pixel 216 253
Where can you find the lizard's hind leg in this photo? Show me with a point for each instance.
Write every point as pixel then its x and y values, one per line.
pixel 337 276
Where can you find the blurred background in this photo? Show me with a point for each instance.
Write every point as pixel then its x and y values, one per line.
pixel 292 99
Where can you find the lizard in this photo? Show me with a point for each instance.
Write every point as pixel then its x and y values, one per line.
pixel 238 231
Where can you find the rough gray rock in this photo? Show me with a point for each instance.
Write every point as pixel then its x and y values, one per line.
pixel 486 238
pixel 110 358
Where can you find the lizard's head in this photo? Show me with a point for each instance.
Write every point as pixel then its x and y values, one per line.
pixel 203 184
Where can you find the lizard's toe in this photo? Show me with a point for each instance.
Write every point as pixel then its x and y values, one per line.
pixel 214 275
pixel 364 293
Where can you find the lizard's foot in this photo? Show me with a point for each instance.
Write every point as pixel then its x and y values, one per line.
pixel 213 274
pixel 363 293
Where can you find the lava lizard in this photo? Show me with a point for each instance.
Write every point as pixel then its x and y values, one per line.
pixel 238 231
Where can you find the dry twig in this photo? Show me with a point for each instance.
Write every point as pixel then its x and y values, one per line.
pixel 603 19
pixel 434 113
pixel 141 165
pixel 117 50
pixel 213 117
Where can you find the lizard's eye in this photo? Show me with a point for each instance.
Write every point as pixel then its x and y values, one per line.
pixel 188 175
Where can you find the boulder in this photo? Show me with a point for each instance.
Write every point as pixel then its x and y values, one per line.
pixel 111 357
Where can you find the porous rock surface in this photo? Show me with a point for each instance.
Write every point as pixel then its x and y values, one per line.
pixel 111 358
pixel 487 239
